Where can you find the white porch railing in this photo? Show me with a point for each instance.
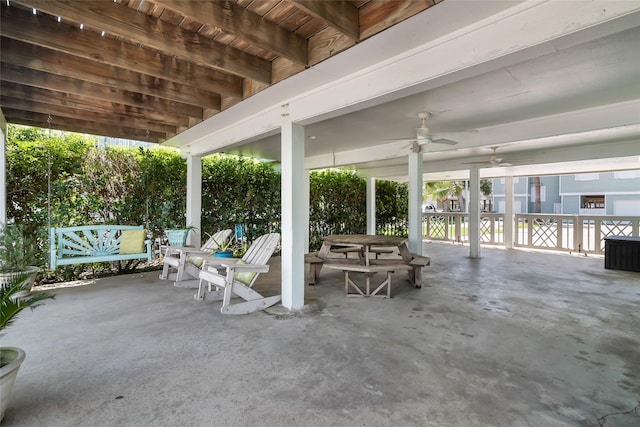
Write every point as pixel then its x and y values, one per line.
pixel 568 233
pixel 454 227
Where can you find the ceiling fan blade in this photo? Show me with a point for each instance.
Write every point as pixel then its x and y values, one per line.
pixel 455 133
pixel 399 140
pixel 443 141
pixel 475 163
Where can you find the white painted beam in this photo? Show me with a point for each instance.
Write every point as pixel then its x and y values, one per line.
pixel 474 212
pixel 596 157
pixel 194 200
pixel 391 150
pixel 293 213
pixel 415 201
pixel 619 141
pixel 371 205
pixel 508 226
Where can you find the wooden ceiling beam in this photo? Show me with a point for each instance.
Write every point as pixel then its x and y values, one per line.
pixel 341 15
pixel 146 69
pixel 245 25
pixel 376 16
pixel 107 119
pixel 141 29
pixel 80 126
pixel 41 59
pixel 62 99
pixel 24 76
pixel 43 30
pixel 327 43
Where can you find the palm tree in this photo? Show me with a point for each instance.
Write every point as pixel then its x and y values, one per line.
pixel 438 190
pixel 457 189
pixel 486 188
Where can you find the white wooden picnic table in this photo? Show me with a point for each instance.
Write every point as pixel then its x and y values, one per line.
pixel 364 241
pixel 368 244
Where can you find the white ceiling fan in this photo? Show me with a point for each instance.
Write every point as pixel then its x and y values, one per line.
pixel 425 136
pixel 494 161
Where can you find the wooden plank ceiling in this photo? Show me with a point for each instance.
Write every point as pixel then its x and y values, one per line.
pixel 149 69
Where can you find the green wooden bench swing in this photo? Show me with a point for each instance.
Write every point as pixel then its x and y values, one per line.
pixel 98 243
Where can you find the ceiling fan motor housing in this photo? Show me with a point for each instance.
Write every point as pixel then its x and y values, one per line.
pixel 423 135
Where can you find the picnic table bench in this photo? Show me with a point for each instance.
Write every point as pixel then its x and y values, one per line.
pixel 98 243
pixel 369 271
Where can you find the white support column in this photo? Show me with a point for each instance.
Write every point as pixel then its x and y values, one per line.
pixel 194 199
pixel 293 212
pixel 371 205
pixel 415 200
pixel 3 170
pixel 507 226
pixel 466 196
pixel 305 211
pixel 474 212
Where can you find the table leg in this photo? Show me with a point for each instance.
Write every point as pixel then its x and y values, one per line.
pixel 324 250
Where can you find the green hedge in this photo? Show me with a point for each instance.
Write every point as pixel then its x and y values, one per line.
pixel 115 185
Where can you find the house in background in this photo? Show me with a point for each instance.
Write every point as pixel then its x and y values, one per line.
pixel 610 193
pixel 524 195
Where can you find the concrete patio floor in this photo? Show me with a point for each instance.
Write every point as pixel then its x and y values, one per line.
pixel 514 339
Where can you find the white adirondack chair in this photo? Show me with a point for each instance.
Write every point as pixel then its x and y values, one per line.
pixel 232 277
pixel 188 260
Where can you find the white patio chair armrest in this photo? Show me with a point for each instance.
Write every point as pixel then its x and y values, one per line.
pixel 220 261
pixel 195 252
pixel 217 263
pixel 257 268
pixel 169 250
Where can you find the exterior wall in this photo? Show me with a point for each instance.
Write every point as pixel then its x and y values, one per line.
pixel 520 195
pixel 550 189
pixel 570 205
pixel 623 204
pixel 601 183
pixel 566 194
pixel 621 192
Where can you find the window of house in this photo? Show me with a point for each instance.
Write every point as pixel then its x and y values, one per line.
pixel 587 176
pixel 592 202
pixel 626 175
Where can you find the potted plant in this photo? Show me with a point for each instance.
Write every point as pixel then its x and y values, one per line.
pixel 175 233
pixel 178 236
pixel 225 249
pixel 18 254
pixel 10 305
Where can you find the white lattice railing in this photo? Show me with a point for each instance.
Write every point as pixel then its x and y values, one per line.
pixel 454 227
pixel 571 233
pixel 568 233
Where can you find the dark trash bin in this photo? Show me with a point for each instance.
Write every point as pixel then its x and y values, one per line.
pixel 622 253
